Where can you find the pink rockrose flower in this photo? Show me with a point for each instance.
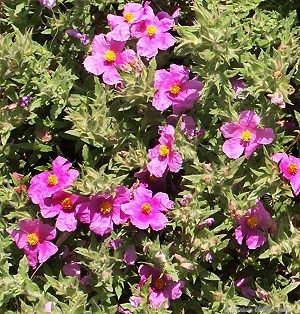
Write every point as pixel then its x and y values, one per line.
pixel 245 136
pixel 188 127
pixel 289 166
pixel 120 25
pixel 244 288
pixel 68 208
pixel 34 238
pixel 253 226
pixel 277 99
pixel 152 34
pixel 238 86
pixel 162 287
pixel 115 244
pixel 106 210
pixel 72 269
pixel 47 183
pixel 163 156
pixel 146 210
pixel 173 88
pixel 107 56
pixel 49 4
pixel 130 255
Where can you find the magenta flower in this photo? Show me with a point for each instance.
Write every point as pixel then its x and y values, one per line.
pixel 146 210
pixel 162 286
pixel 107 56
pixel 289 166
pixel 130 255
pixel 106 210
pixel 253 226
pixel 120 25
pixel 244 288
pixel 238 86
pixel 163 155
pixel 47 183
pixel 34 238
pixel 68 208
pixel 152 32
pixel 49 4
pixel 188 127
pixel 245 136
pixel 173 88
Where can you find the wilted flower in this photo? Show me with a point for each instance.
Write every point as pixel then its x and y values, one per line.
pixel 47 183
pixel 245 136
pixel 68 208
pixel 107 56
pixel 277 99
pixel 186 199
pixel 208 222
pixel 34 238
pixel 188 127
pixel 49 4
pixel 163 155
pixel 146 210
pixel 130 255
pixel 84 38
pixel 115 244
pixel 253 225
pixel 245 289
pixel 162 286
pixel 106 210
pixel 289 166
pixel 173 88
pixel 238 86
pixel 24 101
pixel 151 182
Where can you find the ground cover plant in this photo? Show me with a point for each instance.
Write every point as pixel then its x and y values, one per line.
pixel 150 156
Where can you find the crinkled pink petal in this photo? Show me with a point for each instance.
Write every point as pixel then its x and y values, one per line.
pixel 101 224
pixel 161 101
pixel 153 152
pixel 157 299
pixel 173 290
pixel 130 255
pixel 20 238
pixel 265 136
pixel 111 76
pixel 174 161
pixel 230 130
pixel 233 148
pixel 157 167
pixel 121 32
pixel 159 222
pixel 163 198
pixel 295 183
pixel 114 20
pixel 164 79
pixel 240 233
pixel 46 250
pixel 279 156
pixel 165 41
pixel 94 64
pixel 32 256
pixel 147 47
pixel 124 58
pixel 99 45
pixel 255 239
pixel 66 221
pixel 251 148
pixel 249 119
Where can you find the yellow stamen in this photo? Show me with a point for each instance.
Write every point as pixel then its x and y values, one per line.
pixel 246 136
pixel 110 56
pixel 146 208
pixel 164 150
pixel 128 17
pixel 67 203
pixel 252 222
pixel 52 180
pixel 159 283
pixel 292 169
pixel 106 207
pixel 32 238
pixel 175 89
pixel 151 30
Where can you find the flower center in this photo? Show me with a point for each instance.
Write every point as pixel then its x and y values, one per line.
pixel 164 150
pixel 146 208
pixel 175 89
pixel 67 203
pixel 110 56
pixel 32 238
pixel 52 180
pixel 159 283
pixel 292 169
pixel 151 30
pixel 128 17
pixel 106 207
pixel 252 222
pixel 246 135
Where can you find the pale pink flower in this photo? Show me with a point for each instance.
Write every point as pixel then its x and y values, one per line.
pixel 49 4
pixel 277 99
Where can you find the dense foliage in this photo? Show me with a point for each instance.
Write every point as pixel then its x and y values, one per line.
pixel 150 156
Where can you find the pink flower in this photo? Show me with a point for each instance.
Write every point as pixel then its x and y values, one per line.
pixel 289 166
pixel 188 126
pixel 152 32
pixel 246 290
pixel 253 226
pixel 68 208
pixel 162 286
pixel 84 38
pixel 49 4
pixel 130 255
pixel 121 25
pixel 72 269
pixel 106 210
pixel 34 238
pixel 238 86
pixel 47 183
pixel 163 155
pixel 146 210
pixel 173 88
pixel 245 136
pixel 277 99
pixel 107 56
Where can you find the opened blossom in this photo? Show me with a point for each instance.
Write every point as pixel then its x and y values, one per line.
pixel 106 210
pixel 163 156
pixel 69 208
pixel 253 226
pixel 174 88
pixel 289 166
pixel 34 238
pixel 47 183
pixel 49 4
pixel 147 210
pixel 245 136
pixel 162 287
pixel 107 57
